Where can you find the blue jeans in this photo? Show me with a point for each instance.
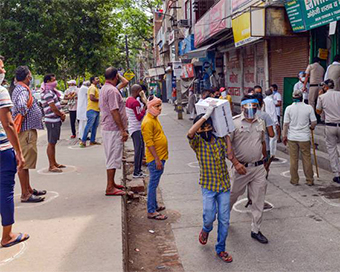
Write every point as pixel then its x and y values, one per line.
pixel 92 124
pixel 155 176
pixel 8 168
pixel 216 203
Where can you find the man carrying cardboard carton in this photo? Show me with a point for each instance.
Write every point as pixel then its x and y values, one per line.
pixel 211 153
pixel 249 158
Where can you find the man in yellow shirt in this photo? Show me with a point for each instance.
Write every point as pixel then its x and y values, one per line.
pixel 156 155
pixel 92 113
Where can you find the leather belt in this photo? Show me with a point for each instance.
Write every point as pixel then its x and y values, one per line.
pixel 252 164
pixel 4 141
pixel 332 124
pixel 313 85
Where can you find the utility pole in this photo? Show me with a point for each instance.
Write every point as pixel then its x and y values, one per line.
pixel 127 59
pixel 178 78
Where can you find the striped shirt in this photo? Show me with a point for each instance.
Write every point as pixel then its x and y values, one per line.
pixel 48 97
pixel 5 102
pixel 135 114
pixel 33 115
pixel 211 157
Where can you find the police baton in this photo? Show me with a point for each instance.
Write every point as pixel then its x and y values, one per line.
pixel 314 153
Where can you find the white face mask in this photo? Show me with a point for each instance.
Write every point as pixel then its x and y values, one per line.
pixel 224 94
pixel 2 77
pixel 303 79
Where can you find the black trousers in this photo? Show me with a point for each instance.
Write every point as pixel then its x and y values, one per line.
pixel 73 118
pixel 138 144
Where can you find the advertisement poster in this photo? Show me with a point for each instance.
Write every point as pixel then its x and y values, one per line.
pixel 234 75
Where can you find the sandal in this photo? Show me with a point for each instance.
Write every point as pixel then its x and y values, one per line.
pixel 60 166
pixel 116 193
pixel 19 239
pixel 39 193
pixel 55 170
pixel 160 208
pixel 118 186
pixel 203 237
pixel 225 257
pixel 33 199
pixel 158 217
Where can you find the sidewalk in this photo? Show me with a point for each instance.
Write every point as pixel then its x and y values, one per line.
pixel 303 228
pixel 77 228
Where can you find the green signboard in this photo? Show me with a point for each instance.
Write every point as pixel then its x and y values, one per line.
pixel 307 14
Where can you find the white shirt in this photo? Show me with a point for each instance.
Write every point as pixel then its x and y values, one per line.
pixel 300 86
pixel 277 97
pixel 299 116
pixel 269 107
pixel 334 63
pixel 82 103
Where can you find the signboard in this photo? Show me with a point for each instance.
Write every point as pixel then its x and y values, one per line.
pixel 241 30
pixel 238 4
pixel 172 37
pixel 234 75
pixel 213 22
pixel 129 75
pixel 177 68
pixel 308 14
pixel 188 71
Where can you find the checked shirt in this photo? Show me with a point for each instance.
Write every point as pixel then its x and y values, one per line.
pixel 214 174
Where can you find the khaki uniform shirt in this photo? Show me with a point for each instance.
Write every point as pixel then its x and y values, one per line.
pixel 247 139
pixel 316 73
pixel 330 104
pixel 334 74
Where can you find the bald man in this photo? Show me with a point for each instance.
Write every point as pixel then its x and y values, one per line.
pixel 136 112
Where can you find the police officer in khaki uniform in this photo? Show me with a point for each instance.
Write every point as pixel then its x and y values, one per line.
pixel 249 159
pixel 329 103
pixel 333 72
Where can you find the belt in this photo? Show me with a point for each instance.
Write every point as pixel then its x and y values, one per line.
pixel 253 164
pixel 332 124
pixel 313 85
pixel 4 141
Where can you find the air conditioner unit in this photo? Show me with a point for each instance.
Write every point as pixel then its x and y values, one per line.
pixel 184 23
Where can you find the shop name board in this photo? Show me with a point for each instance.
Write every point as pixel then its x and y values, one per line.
pixel 241 4
pixel 308 14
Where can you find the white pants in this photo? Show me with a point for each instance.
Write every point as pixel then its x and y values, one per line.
pixel 332 139
pixel 273 144
pixel 81 128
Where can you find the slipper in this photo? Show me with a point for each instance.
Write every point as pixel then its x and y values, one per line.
pixel 55 170
pixel 39 193
pixel 160 208
pixel 60 166
pixel 33 199
pixel 158 217
pixel 118 186
pixel 203 240
pixel 116 193
pixel 18 240
pixel 225 257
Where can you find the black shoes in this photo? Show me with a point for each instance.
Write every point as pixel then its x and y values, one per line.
pixel 259 237
pixel 336 179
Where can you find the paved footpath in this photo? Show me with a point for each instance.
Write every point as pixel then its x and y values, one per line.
pixel 77 228
pixel 303 228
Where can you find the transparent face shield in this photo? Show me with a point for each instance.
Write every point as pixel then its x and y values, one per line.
pixel 249 108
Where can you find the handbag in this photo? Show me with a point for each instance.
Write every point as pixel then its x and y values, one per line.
pixel 20 118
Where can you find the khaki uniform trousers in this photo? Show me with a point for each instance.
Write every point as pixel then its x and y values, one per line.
pixel 313 96
pixel 28 142
pixel 332 138
pixel 255 179
pixel 294 148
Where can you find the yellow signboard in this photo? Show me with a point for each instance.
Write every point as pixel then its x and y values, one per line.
pixel 129 75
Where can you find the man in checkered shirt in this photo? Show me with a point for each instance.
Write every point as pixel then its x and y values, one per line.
pixel 211 153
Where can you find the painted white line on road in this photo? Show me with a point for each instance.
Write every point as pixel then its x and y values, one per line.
pixel 23 247
pixel 330 202
pixel 194 164
pixel 281 161
pixel 286 174
pixel 247 210
pixel 32 205
pixel 68 169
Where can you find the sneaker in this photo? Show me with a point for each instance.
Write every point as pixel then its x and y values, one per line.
pixel 73 136
pixel 82 145
pixel 140 175
pixel 95 143
pixel 143 174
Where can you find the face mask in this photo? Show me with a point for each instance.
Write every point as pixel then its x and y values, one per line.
pixel 155 111
pixel 51 85
pixel 217 96
pixel 303 79
pixel 207 136
pixel 297 100
pixel 224 94
pixel 73 87
pixel 249 113
pixel 2 77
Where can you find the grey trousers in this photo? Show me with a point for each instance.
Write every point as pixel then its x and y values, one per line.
pixel 332 138
pixel 138 144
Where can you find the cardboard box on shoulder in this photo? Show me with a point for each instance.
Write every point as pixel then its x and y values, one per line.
pixel 221 117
